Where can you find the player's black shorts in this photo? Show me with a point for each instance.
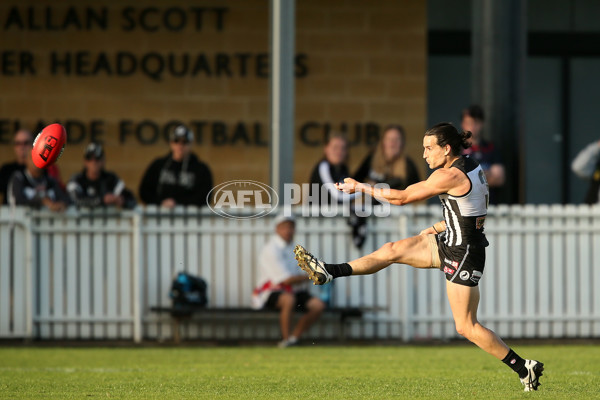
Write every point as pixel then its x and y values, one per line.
pixel 462 264
pixel 301 299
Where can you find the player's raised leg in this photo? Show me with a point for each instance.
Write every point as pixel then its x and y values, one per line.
pixel 414 251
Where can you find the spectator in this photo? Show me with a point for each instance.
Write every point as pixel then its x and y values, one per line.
pixel 179 177
pixel 23 140
pixel 22 145
pixel 94 187
pixel 33 187
pixel 281 286
pixel 388 163
pixel 587 166
pixel 483 151
pixel 330 170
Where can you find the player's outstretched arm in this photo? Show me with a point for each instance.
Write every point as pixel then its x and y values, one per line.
pixel 439 182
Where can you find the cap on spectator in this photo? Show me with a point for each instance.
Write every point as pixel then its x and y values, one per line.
pixel 182 132
pixel 284 218
pixel 94 150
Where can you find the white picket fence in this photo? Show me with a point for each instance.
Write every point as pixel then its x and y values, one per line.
pixel 84 275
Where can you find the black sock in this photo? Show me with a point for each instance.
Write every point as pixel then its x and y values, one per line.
pixel 337 270
pixel 516 363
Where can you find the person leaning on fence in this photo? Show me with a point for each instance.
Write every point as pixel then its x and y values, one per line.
pixel 281 287
pixel 586 165
pixel 22 142
pixel 388 163
pixel 455 245
pixel 96 187
pixel 330 169
pixel 333 168
pixel 34 188
pixel 179 177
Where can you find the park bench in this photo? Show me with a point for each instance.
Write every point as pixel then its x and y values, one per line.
pixel 204 315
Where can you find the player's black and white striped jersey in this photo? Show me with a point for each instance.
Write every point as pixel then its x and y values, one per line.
pixel 465 215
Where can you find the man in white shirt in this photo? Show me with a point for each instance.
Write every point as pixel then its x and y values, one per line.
pixel 281 287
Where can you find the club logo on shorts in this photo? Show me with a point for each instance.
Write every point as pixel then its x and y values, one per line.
pixel 464 275
pixel 450 262
pixel 448 270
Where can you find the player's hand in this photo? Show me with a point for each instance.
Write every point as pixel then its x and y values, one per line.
pixel 348 186
pixel 428 231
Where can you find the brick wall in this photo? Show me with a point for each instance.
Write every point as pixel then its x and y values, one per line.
pixel 363 62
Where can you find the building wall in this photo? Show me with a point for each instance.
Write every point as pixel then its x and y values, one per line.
pixel 360 65
pixel 560 88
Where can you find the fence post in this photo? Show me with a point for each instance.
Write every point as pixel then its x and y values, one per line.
pixel 28 276
pixel 135 258
pixel 406 307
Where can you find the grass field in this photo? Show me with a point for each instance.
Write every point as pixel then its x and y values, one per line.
pixel 305 372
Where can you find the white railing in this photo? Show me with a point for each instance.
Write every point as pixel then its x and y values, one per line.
pixel 83 275
pixel 69 276
pixel 15 274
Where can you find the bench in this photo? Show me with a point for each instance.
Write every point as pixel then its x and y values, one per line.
pixel 181 314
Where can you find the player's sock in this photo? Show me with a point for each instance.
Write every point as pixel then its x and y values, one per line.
pixel 337 270
pixel 516 363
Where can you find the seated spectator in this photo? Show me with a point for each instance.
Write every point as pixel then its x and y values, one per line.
pixel 483 151
pixel 94 187
pixel 387 163
pixel 282 285
pixel 586 165
pixel 34 188
pixel 179 177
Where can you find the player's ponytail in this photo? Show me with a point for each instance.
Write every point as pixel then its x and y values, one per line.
pixel 464 139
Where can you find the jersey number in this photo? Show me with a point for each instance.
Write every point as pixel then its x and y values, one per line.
pixel 484 182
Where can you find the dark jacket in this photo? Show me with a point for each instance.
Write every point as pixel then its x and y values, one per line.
pixel 325 172
pixel 188 182
pixel 87 193
pixel 6 173
pixel 25 190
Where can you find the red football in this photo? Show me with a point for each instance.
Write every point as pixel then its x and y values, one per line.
pixel 49 145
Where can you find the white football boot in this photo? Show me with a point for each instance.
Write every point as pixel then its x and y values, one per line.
pixel 534 371
pixel 314 267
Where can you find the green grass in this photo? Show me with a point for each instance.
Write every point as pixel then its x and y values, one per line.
pixel 306 372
